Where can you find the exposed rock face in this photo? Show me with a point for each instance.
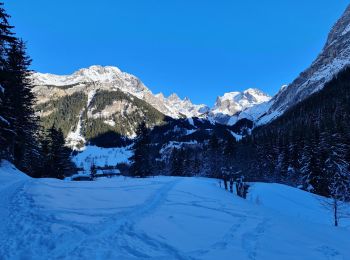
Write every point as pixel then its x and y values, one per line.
pixel 333 58
pixel 102 99
pixel 49 86
pixel 233 102
pixel 234 105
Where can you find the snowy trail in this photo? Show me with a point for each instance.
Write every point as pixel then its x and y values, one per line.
pixel 155 218
pixel 119 234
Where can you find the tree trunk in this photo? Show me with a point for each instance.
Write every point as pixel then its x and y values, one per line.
pixel 335 212
pixel 225 183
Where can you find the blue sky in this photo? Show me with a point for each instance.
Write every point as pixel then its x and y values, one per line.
pixel 196 48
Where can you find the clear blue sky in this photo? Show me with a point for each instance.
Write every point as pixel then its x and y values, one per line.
pixel 196 48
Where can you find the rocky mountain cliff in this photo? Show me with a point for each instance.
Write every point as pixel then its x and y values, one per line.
pixel 97 100
pixel 233 106
pixel 334 57
pixel 49 86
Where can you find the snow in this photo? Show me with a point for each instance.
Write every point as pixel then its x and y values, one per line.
pixel 189 132
pixel 91 95
pixel 161 218
pixel 346 30
pixel 211 120
pixel 4 120
pixel 237 136
pixel 234 102
pixel 94 73
pixel 75 139
pixel 268 117
pixel 102 156
pixel 10 174
pixel 110 122
pixel 176 145
pixel 293 202
pixel 190 121
pixel 333 58
pixel 179 107
pixel 112 78
pixel 233 120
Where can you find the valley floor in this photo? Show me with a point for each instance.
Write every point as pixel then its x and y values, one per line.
pixel 161 218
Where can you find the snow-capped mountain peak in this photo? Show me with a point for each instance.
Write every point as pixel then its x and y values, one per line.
pixel 234 102
pixel 174 98
pixel 93 73
pixel 112 78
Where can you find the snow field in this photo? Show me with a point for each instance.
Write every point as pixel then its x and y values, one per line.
pixel 161 218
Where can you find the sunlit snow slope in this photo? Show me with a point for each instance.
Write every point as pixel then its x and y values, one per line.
pixel 160 218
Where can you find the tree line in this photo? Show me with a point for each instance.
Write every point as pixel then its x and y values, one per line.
pixel 307 147
pixel 38 152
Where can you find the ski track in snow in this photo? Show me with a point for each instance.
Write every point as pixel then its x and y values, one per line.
pixel 169 218
pixel 120 232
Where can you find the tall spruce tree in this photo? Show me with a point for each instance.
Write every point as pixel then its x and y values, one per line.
pixel 141 164
pixel 177 162
pixel 19 128
pixel 214 156
pixel 19 101
pixel 58 164
pixel 6 39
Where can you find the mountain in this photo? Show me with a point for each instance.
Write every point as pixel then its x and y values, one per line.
pixel 104 102
pixel 110 78
pixel 233 106
pixel 101 100
pixel 334 57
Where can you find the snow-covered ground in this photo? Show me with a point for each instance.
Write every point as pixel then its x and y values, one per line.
pixel 161 218
pixel 101 156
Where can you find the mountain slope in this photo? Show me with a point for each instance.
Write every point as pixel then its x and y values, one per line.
pixel 308 145
pixel 110 78
pixel 334 57
pixel 50 86
pixel 98 116
pixel 104 105
pixel 233 106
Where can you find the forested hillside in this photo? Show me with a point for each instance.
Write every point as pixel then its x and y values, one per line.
pixel 309 145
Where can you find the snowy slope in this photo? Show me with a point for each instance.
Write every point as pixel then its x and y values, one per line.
pixel 334 57
pixel 233 102
pixel 233 106
pixel 292 202
pixel 160 218
pixel 101 156
pixel 111 78
pixel 88 80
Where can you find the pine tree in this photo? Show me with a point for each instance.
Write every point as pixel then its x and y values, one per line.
pixel 141 166
pixel 338 180
pixel 6 39
pixel 177 162
pixel 58 164
pixel 93 171
pixel 214 156
pixel 196 167
pixel 19 101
